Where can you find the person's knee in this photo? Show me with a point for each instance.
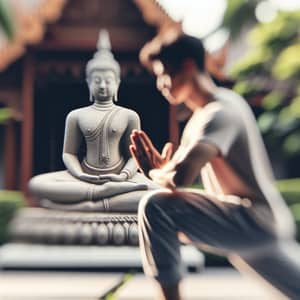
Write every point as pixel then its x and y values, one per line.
pixel 152 200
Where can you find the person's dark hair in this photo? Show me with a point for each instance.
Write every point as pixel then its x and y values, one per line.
pixel 173 55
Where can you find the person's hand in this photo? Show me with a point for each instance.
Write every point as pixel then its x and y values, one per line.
pixel 163 177
pixel 114 177
pixel 96 179
pixel 146 155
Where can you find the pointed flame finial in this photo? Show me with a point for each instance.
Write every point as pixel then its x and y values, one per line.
pixel 103 59
pixel 104 40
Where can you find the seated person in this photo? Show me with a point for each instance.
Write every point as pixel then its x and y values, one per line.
pixel 240 213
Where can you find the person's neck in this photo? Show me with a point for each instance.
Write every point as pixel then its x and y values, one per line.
pixel 103 104
pixel 202 92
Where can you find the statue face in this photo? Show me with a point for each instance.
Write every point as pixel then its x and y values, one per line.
pixel 103 85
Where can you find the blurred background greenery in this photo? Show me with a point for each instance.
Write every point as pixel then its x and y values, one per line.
pixel 270 73
pixel 7 27
pixel 6 20
pixel 10 201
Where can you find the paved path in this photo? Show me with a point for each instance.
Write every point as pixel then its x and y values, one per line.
pixel 55 286
pixel 213 284
pixel 209 285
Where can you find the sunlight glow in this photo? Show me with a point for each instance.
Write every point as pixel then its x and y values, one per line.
pixel 199 17
pixel 286 4
pixel 265 12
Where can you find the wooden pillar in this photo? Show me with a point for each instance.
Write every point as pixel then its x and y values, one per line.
pixel 10 154
pixel 173 126
pixel 28 119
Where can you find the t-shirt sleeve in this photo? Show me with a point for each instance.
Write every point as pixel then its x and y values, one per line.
pixel 220 130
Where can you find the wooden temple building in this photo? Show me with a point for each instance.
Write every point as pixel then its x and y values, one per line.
pixel 43 77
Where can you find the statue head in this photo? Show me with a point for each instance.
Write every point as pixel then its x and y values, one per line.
pixel 103 71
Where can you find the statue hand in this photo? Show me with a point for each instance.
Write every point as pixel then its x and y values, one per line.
pixel 114 177
pixel 146 155
pixel 91 178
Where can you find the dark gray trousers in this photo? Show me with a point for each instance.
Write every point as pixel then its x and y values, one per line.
pixel 224 227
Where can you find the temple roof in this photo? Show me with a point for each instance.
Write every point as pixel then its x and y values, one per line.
pixel 31 17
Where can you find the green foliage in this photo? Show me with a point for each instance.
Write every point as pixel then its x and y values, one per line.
pixel 278 33
pixel 291 144
pixel 10 202
pixel 253 63
pixel 266 121
pixel 295 208
pixel 273 100
pixel 290 190
pixel 237 13
pixel 288 63
pixel 5 115
pixel 112 294
pixel 271 70
pixel 6 21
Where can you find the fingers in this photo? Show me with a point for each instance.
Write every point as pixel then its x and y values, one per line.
pixel 134 154
pixel 92 177
pixel 146 140
pixel 167 151
pixel 141 160
pixel 137 142
pixel 142 147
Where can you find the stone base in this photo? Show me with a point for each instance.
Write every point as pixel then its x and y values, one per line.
pixel 53 239
pixel 56 227
pixel 33 256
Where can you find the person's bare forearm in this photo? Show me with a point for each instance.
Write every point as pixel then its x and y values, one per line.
pixel 184 166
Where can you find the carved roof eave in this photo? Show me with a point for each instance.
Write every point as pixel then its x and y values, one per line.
pixel 154 14
pixel 30 29
pixel 167 28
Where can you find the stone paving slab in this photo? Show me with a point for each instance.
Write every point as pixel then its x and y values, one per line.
pixel 216 284
pixel 211 284
pixel 55 286
pixel 77 257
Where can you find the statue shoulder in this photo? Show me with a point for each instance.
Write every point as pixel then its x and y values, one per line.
pixel 129 113
pixel 75 114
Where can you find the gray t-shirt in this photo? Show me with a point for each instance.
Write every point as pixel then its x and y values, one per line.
pixel 242 167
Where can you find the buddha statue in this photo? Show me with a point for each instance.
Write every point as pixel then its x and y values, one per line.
pixel 106 179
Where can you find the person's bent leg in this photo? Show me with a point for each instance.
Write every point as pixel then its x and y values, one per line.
pixel 163 214
pixel 159 243
pixel 223 226
pixel 278 264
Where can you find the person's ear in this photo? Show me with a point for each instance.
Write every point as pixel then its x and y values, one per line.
pixel 189 66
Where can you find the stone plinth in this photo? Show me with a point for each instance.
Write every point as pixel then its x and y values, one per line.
pixel 56 227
